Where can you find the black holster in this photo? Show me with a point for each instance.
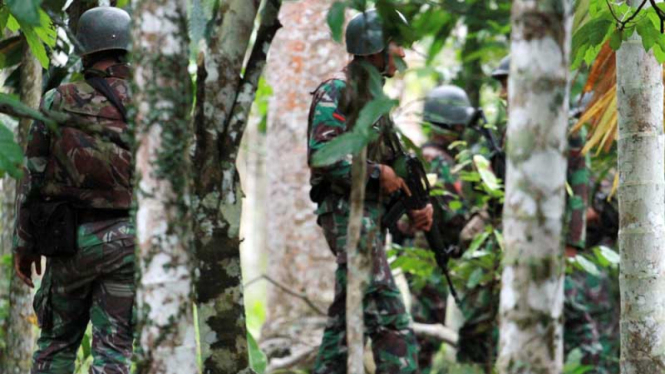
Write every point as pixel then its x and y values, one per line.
pixel 54 228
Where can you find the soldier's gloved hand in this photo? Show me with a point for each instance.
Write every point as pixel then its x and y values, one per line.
pixel 390 182
pixel 23 267
pixel 422 219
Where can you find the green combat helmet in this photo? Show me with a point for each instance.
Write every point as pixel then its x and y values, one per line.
pixel 365 33
pixel 448 105
pixel 103 29
pixel 503 70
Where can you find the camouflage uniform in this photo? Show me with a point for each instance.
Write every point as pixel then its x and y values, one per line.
pixel 88 162
pixel 386 320
pixel 429 295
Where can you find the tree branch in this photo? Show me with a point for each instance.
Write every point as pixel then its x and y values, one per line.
pixel 257 61
pixel 436 331
pixel 286 289
pixel 290 361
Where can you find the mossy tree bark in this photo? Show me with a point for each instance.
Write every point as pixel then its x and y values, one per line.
pixel 163 100
pixel 224 98
pixel 20 337
pixel 531 307
pixel 641 208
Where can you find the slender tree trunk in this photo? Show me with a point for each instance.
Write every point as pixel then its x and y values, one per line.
pixel 641 208
pixel 472 70
pixel 163 102
pixel 532 282
pixel 359 268
pixel 225 97
pixel 303 55
pixel 76 9
pixel 20 334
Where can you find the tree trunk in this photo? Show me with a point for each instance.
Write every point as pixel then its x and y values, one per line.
pixel 76 9
pixel 472 70
pixel 225 97
pixel 532 282
pixel 20 332
pixel 359 268
pixel 303 56
pixel 163 101
pixel 641 208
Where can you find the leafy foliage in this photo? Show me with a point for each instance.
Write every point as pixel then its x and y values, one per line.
pixel 11 154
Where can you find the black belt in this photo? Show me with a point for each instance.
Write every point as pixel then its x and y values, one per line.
pixel 96 215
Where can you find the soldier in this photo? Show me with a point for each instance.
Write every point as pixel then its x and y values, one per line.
pixel 74 206
pixel 449 111
pixel 386 320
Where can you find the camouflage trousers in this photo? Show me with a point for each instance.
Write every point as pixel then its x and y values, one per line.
pixel 428 305
pixel 592 320
pixel 96 285
pixel 386 320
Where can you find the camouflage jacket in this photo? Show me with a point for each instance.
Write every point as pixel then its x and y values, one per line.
pixel 87 160
pixel 327 120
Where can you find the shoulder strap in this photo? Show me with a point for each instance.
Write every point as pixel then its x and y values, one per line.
pixel 103 87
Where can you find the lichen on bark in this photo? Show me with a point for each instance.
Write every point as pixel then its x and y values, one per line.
pixel 162 100
pixel 224 97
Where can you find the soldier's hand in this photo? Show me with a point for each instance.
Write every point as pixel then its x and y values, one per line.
pixel 390 182
pixel 422 219
pixel 23 267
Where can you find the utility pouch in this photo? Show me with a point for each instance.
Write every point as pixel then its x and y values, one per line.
pixel 54 228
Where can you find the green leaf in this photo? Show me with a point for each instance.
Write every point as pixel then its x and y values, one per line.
pixel 26 11
pixel 4 18
pixel 352 142
pixel 455 205
pixel 647 30
pixel 485 170
pixel 607 256
pixel 46 31
pixel 257 359
pixel 587 265
pixel 615 40
pixel 36 45
pixel 11 154
pixel 339 148
pixel 336 16
pixel 475 278
pixel 12 24
pixel 591 35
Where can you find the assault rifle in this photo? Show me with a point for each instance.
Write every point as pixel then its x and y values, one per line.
pixel 478 122
pixel 409 168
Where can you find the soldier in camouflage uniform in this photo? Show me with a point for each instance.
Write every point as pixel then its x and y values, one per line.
pixel 386 320
pixel 448 110
pixel 87 162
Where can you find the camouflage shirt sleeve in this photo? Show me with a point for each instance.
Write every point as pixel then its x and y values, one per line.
pixel 36 159
pixel 326 123
pixel 578 180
